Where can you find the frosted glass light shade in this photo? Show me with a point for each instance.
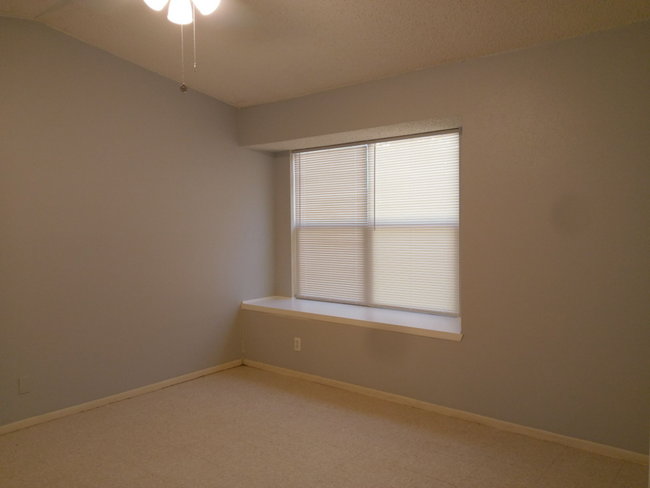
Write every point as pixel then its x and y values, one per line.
pixel 156 4
pixel 206 7
pixel 180 12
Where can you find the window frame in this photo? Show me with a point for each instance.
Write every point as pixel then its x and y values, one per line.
pixel 294 253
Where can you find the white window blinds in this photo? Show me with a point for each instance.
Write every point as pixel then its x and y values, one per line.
pixel 377 223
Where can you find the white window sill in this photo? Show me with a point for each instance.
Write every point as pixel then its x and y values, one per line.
pixel 438 326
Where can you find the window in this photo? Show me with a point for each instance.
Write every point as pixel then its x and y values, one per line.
pixel 377 223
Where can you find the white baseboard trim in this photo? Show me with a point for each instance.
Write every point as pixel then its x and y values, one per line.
pixel 22 424
pixel 589 446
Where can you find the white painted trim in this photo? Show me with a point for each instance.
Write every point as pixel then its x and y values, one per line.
pixel 23 424
pixel 420 324
pixel 589 446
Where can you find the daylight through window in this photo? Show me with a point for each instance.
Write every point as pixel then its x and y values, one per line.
pixel 377 223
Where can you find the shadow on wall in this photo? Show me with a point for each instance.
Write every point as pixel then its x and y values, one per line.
pixel 386 348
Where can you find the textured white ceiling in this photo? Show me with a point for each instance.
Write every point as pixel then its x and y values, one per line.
pixel 257 51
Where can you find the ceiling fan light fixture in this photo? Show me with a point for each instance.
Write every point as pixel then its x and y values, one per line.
pixel 180 12
pixel 206 7
pixel 156 4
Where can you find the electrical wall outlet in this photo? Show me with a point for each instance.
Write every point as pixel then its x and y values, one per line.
pixel 296 343
pixel 24 384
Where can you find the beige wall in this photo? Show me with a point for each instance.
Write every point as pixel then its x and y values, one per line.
pixel 131 224
pixel 282 223
pixel 555 237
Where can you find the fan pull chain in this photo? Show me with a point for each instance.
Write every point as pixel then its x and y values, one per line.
pixel 194 32
pixel 183 86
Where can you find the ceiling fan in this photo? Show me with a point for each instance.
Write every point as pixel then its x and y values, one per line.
pixel 183 12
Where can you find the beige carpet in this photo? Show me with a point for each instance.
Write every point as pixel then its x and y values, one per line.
pixel 251 428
